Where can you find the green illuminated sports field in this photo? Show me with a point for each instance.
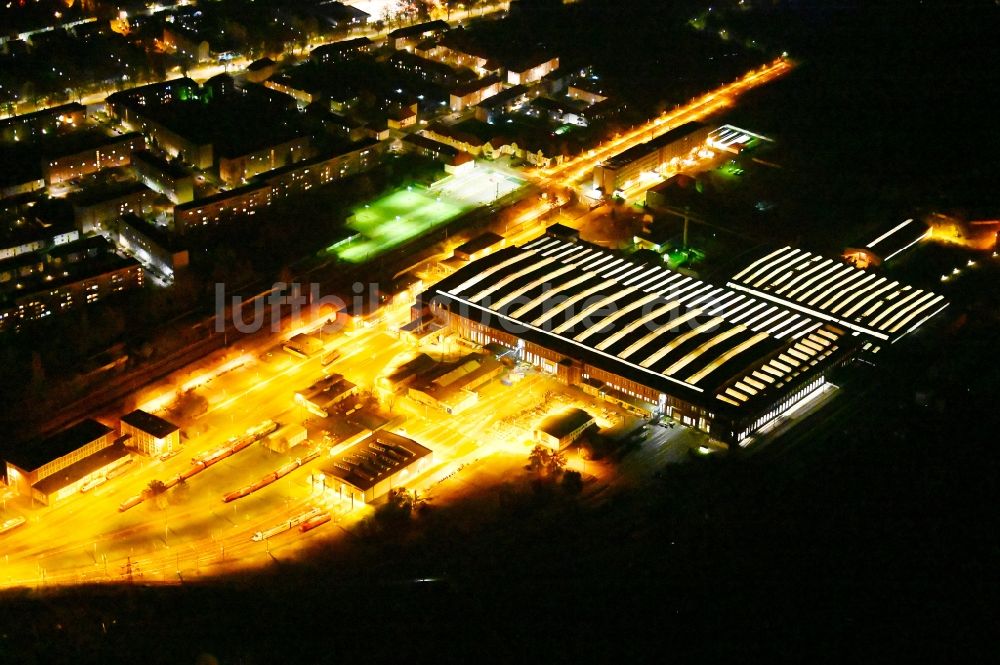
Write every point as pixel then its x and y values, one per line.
pixel 408 213
pixel 393 220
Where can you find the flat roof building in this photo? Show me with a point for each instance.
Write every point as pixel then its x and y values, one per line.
pixel 57 456
pixel 370 468
pixel 562 429
pixel 94 210
pixel 620 171
pixel 154 246
pixel 67 276
pixel 480 246
pixel 90 155
pixel 29 125
pixel 326 393
pixel 150 434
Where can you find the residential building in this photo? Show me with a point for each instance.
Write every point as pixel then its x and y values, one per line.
pixel 102 153
pixel 225 206
pixel 168 178
pixel 407 38
pixel 18 182
pixel 260 70
pixel 531 69
pixel 153 246
pixel 64 279
pixel 341 51
pixel 455 49
pixel 624 169
pixel 557 111
pixel 32 236
pixel 585 94
pixel 342 17
pixel 357 158
pixel 429 70
pixel 404 117
pixel 286 86
pixel 95 209
pixel 237 166
pixel 506 101
pixel 246 200
pixel 456 138
pixel 473 92
pixel 46 121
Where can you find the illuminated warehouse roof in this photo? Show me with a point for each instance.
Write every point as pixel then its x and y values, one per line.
pixel 642 321
pixel 839 293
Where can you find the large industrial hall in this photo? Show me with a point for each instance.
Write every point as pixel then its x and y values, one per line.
pixel 715 358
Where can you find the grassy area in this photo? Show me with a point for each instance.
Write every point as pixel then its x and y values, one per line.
pixel 393 220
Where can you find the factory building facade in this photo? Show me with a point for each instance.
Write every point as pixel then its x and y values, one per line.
pixel 640 334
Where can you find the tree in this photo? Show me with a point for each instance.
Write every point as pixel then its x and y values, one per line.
pixel 188 406
pixel 422 10
pixel 397 509
pixel 156 487
pixel 180 493
pixel 572 482
pixel 155 492
pixel 545 461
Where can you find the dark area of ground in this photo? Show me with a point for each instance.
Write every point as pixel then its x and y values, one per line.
pixel 870 529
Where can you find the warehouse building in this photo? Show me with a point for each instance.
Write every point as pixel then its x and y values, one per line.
pixel 149 434
pixel 878 309
pixel 886 244
pixel 59 466
pixel 371 467
pixel 452 387
pixel 320 397
pixel 562 429
pixel 639 333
